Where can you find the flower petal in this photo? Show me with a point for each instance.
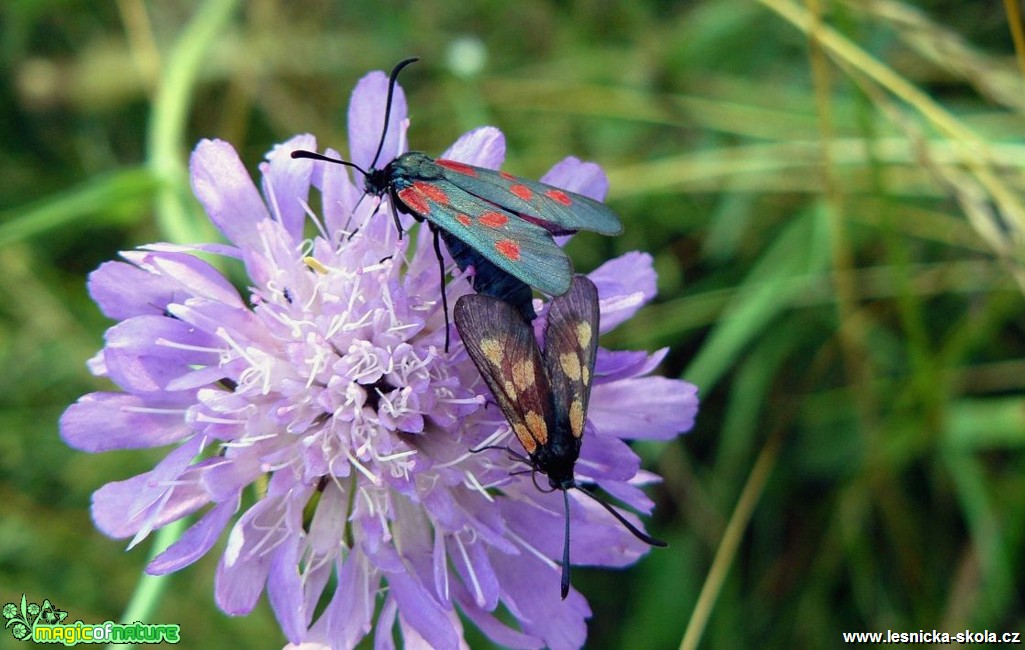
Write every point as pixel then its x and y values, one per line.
pixel 422 612
pixel 122 290
pixel 286 183
pixel 350 614
pixel 146 353
pixel 624 285
pixel 285 586
pixel 366 121
pixel 222 184
pixel 652 408
pixel 150 500
pixel 242 571
pixel 575 175
pixel 623 364
pixel 105 421
pixel 481 147
pixel 339 196
pixel 560 623
pixel 196 541
pixel 497 631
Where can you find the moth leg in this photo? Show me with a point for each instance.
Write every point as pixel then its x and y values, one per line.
pixel 441 268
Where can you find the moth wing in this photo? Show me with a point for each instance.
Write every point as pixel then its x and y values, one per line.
pixel 571 344
pixel 502 346
pixel 520 248
pixel 567 211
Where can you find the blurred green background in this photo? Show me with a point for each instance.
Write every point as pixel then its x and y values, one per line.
pixel 837 214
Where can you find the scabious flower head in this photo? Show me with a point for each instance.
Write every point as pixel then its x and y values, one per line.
pixel 327 388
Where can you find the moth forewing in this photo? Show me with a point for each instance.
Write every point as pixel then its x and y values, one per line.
pixel 571 344
pixel 502 346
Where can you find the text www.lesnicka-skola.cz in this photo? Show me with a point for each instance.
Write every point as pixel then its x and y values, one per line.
pixel 934 636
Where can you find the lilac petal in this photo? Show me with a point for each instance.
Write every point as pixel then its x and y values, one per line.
pixel 422 612
pixel 385 622
pixel 152 499
pixel 225 475
pixel 240 324
pixel 613 365
pixel 286 183
pixel 113 500
pixel 143 354
pixel 339 196
pixel 222 184
pixel 585 178
pixel 606 457
pixel 366 120
pixel 600 539
pixel 474 567
pixel 329 520
pixel 196 541
pixel 122 290
pixel 350 614
pixel 482 147
pixel 541 612
pixel 497 631
pixel 104 421
pixel 224 250
pixel 631 495
pixel 624 285
pixel 193 276
pixel 413 640
pixel 653 408
pixel 243 568
pixel 285 587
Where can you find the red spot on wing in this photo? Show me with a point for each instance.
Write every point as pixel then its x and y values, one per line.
pixel 494 219
pixel 508 248
pixel 464 219
pixel 559 197
pixel 507 176
pixel 522 191
pixel 414 200
pixel 433 192
pixel 457 167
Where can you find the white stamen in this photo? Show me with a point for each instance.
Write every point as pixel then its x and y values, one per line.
pixel 473 574
pixel 530 549
pixel 182 346
pixel 472 482
pixel 156 411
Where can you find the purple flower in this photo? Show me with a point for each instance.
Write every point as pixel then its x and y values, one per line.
pixel 328 391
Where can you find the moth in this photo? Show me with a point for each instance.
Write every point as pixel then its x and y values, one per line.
pixel 501 224
pixel 543 393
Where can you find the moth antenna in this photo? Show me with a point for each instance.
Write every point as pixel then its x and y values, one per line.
pixel 644 537
pixel 387 105
pixel 565 549
pixel 312 155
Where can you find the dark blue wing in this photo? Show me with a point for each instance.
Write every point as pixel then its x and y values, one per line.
pixel 559 211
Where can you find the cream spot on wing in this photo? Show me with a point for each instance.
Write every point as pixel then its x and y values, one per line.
pixel 524 437
pixel 510 390
pixel 537 426
pixel 570 363
pixel 585 376
pixel 492 350
pixel 523 374
pixel 584 334
pixel 576 417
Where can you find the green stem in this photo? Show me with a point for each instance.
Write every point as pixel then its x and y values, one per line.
pixel 727 550
pixel 165 153
pixel 150 589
